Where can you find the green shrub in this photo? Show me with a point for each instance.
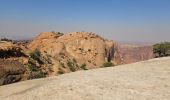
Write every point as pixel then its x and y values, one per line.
pixel 33 68
pixel 83 66
pixel 161 49
pixel 108 64
pixel 59 33
pixel 36 55
pixel 72 64
pixel 39 74
pixel 35 72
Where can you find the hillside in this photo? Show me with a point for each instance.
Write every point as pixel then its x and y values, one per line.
pixel 147 80
pixel 75 51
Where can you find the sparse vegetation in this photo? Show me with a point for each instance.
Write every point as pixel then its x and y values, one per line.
pixel 36 55
pixel 35 72
pixel 35 63
pixel 83 66
pixel 161 49
pixel 72 64
pixel 59 33
pixel 5 39
pixel 48 59
pixel 108 64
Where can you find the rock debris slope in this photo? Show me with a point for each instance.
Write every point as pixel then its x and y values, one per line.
pixel 147 80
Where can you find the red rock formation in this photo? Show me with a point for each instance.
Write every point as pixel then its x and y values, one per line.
pixel 77 48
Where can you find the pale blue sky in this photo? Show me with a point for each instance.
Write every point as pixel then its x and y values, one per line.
pixel 123 20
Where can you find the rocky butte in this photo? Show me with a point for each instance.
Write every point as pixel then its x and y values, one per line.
pixel 76 49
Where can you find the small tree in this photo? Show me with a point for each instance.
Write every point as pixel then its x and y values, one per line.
pixel 162 49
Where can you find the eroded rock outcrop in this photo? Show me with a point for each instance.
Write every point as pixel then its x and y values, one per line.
pixel 76 49
pixel 11 71
pixel 12 63
pixel 8 50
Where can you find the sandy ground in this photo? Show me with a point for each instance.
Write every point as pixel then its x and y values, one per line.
pixel 147 80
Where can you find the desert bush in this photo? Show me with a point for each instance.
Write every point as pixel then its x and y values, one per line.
pixel 39 74
pixel 108 64
pixel 57 33
pixel 83 66
pixel 36 55
pixel 71 66
pixel 34 63
pixel 35 72
pixel 161 49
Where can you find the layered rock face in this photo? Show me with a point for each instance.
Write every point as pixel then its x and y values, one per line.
pixel 76 49
pixel 11 71
pixel 8 50
pixel 131 53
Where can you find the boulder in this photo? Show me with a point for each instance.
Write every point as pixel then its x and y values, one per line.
pixel 11 71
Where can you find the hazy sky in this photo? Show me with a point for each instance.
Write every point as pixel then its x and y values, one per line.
pixel 123 20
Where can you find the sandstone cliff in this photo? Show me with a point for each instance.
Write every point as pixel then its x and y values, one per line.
pixel 135 53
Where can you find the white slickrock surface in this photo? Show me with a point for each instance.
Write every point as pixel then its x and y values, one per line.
pixel 148 80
